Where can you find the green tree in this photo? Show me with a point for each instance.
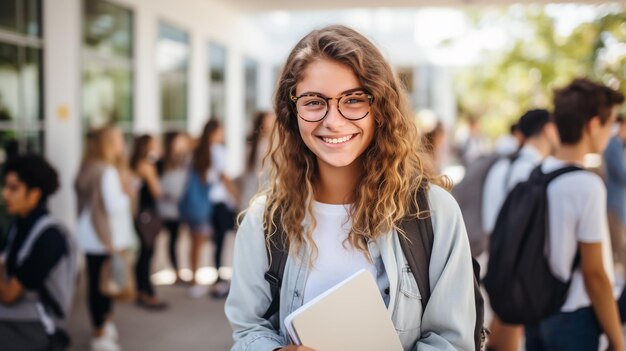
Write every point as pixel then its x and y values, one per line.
pixel 538 60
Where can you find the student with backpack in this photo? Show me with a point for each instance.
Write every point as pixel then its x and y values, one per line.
pixel 487 181
pixel 345 176
pixel 551 266
pixel 38 266
pixel 541 139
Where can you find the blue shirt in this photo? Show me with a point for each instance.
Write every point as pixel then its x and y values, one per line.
pixel 615 165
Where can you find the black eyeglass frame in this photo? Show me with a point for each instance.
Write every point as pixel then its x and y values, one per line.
pixel 295 99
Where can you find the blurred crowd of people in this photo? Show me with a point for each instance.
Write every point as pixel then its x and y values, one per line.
pixel 126 198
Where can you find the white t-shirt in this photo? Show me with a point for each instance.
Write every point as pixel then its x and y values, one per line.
pixel 577 213
pixel 218 193
pixel 118 207
pixel 336 258
pixel 497 187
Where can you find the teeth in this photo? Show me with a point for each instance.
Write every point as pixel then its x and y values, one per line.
pixel 337 140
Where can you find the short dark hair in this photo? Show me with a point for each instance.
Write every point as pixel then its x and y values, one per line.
pixel 532 122
pixel 35 172
pixel 613 97
pixel 577 103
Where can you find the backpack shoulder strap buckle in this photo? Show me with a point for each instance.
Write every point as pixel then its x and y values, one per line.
pixel 273 279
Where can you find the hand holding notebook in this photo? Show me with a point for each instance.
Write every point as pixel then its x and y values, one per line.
pixel 350 316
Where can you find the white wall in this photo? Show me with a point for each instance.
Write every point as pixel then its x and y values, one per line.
pixel 203 20
pixel 62 141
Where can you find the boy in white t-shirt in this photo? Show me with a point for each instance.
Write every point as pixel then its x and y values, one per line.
pixel 583 114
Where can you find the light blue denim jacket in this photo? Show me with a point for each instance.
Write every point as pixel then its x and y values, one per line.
pixel 446 324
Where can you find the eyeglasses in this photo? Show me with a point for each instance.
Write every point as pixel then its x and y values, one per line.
pixel 353 105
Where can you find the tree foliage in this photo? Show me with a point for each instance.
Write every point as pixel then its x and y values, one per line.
pixel 539 59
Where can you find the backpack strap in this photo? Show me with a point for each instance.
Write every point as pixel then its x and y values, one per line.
pixel 559 172
pixel 512 158
pixel 550 177
pixel 417 245
pixel 277 246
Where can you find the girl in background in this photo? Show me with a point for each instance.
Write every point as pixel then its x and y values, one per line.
pixel 104 192
pixel 209 161
pixel 256 174
pixel 173 177
pixel 147 223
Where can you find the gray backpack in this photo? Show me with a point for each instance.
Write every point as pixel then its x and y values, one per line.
pixel 469 194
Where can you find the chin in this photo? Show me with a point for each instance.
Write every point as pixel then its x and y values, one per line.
pixel 337 162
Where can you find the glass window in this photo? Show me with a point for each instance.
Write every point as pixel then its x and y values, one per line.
pixel 21 112
pixel 107 89
pixel 251 71
pixel 172 62
pixel 217 81
pixel 20 97
pixel 107 29
pixel 8 14
pixel 21 16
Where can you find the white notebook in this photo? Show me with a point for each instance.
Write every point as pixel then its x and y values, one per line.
pixel 349 316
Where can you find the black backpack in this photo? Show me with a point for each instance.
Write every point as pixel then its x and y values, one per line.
pixel 469 194
pixel 417 247
pixel 519 281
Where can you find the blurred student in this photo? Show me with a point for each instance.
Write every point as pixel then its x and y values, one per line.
pixel 584 114
pixel 173 175
pixel 510 143
pixel 541 139
pixel 225 198
pixel 434 143
pixel 209 163
pixel 104 192
pixel 259 142
pixel 38 266
pixel 147 222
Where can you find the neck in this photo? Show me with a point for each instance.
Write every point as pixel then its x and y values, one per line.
pixel 336 185
pixel 27 212
pixel 541 145
pixel 572 153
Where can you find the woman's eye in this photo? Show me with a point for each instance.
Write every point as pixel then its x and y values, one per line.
pixel 315 103
pixel 352 101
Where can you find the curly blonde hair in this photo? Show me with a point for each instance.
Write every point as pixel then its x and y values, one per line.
pixel 397 165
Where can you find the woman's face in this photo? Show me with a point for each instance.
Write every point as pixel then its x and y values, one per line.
pixel 117 143
pixel 180 145
pixel 154 150
pixel 218 136
pixel 268 124
pixel 335 140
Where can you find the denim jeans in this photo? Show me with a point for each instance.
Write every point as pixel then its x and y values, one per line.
pixel 565 331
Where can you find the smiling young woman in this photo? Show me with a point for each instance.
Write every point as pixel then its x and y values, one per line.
pixel 346 167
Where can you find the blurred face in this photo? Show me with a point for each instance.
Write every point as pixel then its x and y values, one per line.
pixel 336 141
pixel 117 143
pixel 268 124
pixel 622 130
pixel 601 133
pixel 154 150
pixel 218 136
pixel 19 199
pixel 180 145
